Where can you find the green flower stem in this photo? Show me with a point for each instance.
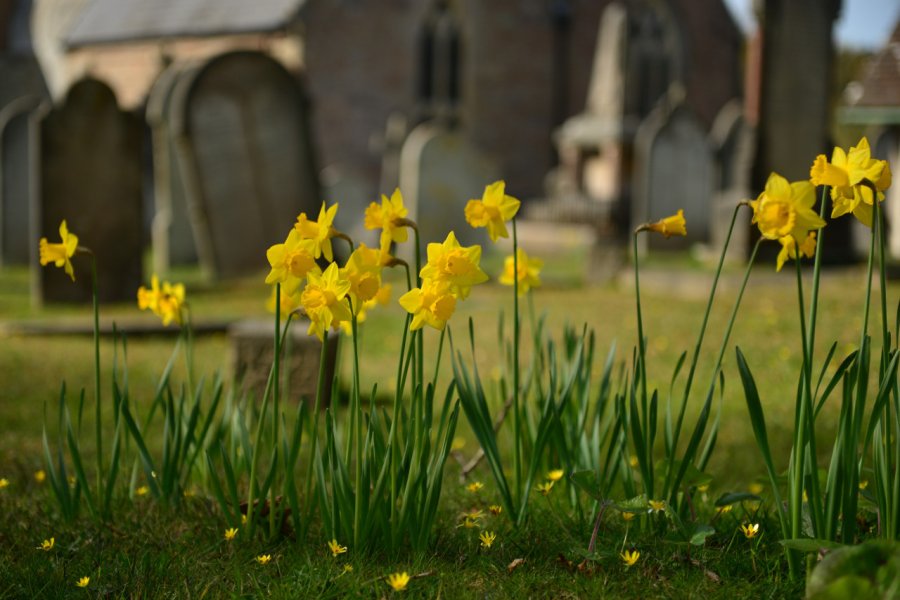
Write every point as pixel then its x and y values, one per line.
pixel 879 230
pixel 313 455
pixel 276 408
pixel 517 423
pixel 97 425
pixel 356 427
pixel 645 425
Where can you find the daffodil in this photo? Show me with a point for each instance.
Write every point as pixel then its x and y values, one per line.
pixel 289 301
pixel 264 559
pixel 166 302
pixel 390 218
pixel 475 486
pixel 83 582
pixel 529 270
pixel 336 548
pixel 363 271
pixel 61 253
pixel 455 265
pixel 47 545
pixel 432 304
pixel 657 505
pixel 291 261
pixel 493 210
pixel 852 176
pixel 789 248
pixel 231 533
pixel 668 226
pixel 319 231
pixel 629 557
pixel 487 538
pixel 545 488
pixel 786 209
pixel 750 530
pixel 323 300
pixel 398 581
pixel 555 475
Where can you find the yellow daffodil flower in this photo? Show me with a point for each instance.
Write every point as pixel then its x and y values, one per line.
pixel 264 559
pixel 433 304
pixel 454 264
pixel 475 486
pixel 83 582
pixel 786 209
pixel 336 548
pixel 657 505
pixel 289 301
pixel 319 231
pixel 47 545
pixel 789 248
pixel 545 488
pixel 668 226
pixel 398 581
pixel 60 254
pixel 529 270
pixel 487 538
pixel 750 530
pixel 555 475
pixel 165 302
pixel 363 271
pixel 231 533
pixel 390 218
pixel 495 509
pixel 852 175
pixel 493 210
pixel 291 261
pixel 323 300
pixel 40 476
pixel 629 557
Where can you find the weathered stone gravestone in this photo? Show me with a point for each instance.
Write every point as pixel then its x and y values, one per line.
pixel 173 239
pixel 674 170
pixel 244 149
pixel 90 175
pixel 341 186
pixel 734 145
pixel 439 173
pixel 16 143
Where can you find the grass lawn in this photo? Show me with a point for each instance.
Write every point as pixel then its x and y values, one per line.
pixel 151 551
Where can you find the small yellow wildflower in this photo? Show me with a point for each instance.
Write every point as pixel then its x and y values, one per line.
pixel 59 254
pixel 398 581
pixel 347 569
pixel 319 231
pixel 458 444
pixel 243 519
pixel 555 475
pixel 487 538
pixel 166 302
pixel 629 557
pixel 475 486
pixel 142 491
pixel 83 582
pixel 703 488
pixel 493 210
pixel 390 218
pixel 544 488
pixel 47 545
pixel 750 530
pixel 863 484
pixel 231 533
pixel 668 226
pixel 755 488
pixel 264 559
pixel 852 175
pixel 4 482
pixel 528 269
pixel 633 462
pixel 495 509
pixel 475 513
pixel 657 505
pixel 469 523
pixel 723 509
pixel 336 548
pixel 628 516
pixel 40 476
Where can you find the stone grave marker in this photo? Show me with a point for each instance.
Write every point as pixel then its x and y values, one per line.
pixel 734 146
pixel 674 170
pixel 90 175
pixel 16 136
pixel 244 149
pixel 439 172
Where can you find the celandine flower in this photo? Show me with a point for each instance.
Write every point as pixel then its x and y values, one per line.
pixel 47 545
pixel 852 176
pixel 487 538
pixel 230 533
pixel 319 231
pixel 475 486
pixel 555 475
pixel 750 530
pixel 398 581
pixel 264 559
pixel 336 548
pixel 657 505
pixel 495 509
pixel 323 300
pixel 40 476
pixel 529 270
pixel 627 516
pixel 629 557
pixel 454 264
pixel 545 488
pixel 390 218
pixel 668 226
pixel 83 582
pixel 786 209
pixel 493 210
pixel 4 482
pixel 59 254
pixel 433 304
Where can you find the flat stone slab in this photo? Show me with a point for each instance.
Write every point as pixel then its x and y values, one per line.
pixel 133 326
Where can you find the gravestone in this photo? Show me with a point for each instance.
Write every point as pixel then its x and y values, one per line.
pixel 674 170
pixel 89 162
pixel 439 173
pixel 734 145
pixel 244 149
pixel 16 135
pixel 173 239
pixel 340 185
